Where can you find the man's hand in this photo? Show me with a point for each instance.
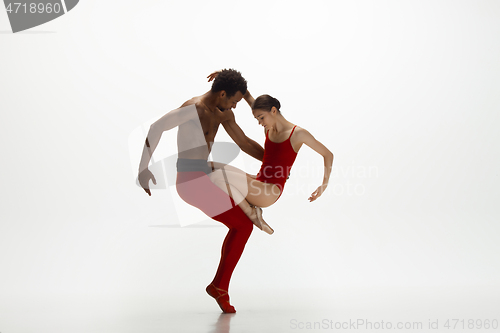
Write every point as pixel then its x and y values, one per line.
pixel 224 115
pixel 144 177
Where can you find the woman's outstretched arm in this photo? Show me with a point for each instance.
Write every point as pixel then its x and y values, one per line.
pixel 307 138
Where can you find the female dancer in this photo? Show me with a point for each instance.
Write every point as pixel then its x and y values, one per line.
pixel 283 142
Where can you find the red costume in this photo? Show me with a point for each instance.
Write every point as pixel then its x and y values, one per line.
pixel 196 188
pixel 277 162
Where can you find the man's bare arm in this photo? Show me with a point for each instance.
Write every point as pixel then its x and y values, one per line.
pixel 170 120
pixel 246 144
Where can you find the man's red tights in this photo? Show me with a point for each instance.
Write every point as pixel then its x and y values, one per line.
pixel 196 189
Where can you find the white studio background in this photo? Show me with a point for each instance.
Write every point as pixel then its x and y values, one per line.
pixel 405 94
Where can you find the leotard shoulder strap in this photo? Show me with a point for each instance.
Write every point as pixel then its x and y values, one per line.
pixel 293 129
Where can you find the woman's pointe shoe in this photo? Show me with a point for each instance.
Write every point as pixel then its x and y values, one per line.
pixel 261 224
pixel 222 298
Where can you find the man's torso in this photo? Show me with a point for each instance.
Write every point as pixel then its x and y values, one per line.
pixel 195 137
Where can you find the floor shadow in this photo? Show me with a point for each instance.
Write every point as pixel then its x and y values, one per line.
pixel 222 325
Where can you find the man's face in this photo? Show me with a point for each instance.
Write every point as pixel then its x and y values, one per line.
pixel 229 103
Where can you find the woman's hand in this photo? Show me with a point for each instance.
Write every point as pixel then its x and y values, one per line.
pixel 144 177
pixel 316 194
pixel 212 76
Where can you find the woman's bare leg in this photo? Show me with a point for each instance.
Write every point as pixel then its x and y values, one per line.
pixel 253 213
pixel 255 192
pixel 240 186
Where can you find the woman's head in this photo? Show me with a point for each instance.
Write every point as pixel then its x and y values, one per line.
pixel 265 109
pixel 266 103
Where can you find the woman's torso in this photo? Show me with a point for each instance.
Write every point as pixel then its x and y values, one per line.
pixel 279 157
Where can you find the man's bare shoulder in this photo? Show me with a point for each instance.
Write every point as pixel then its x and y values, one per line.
pixel 196 101
pixel 191 101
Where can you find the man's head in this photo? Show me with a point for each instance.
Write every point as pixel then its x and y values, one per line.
pixel 229 86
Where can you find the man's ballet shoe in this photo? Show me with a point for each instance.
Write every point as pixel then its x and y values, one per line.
pixel 263 225
pixel 222 298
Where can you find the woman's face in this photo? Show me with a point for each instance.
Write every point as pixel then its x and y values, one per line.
pixel 263 117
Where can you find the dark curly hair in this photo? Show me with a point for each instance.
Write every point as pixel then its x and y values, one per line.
pixel 266 103
pixel 230 81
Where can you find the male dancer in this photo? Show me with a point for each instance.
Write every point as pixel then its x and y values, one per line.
pixel 198 120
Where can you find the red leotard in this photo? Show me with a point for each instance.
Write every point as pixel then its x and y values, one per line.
pixel 277 162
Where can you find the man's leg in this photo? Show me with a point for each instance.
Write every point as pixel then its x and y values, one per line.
pixel 240 228
pixel 197 190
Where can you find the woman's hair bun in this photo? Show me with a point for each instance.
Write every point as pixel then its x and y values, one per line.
pixel 266 102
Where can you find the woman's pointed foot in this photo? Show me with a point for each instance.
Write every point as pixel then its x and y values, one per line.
pixel 265 227
pixel 253 217
pixel 222 298
pixel 259 221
